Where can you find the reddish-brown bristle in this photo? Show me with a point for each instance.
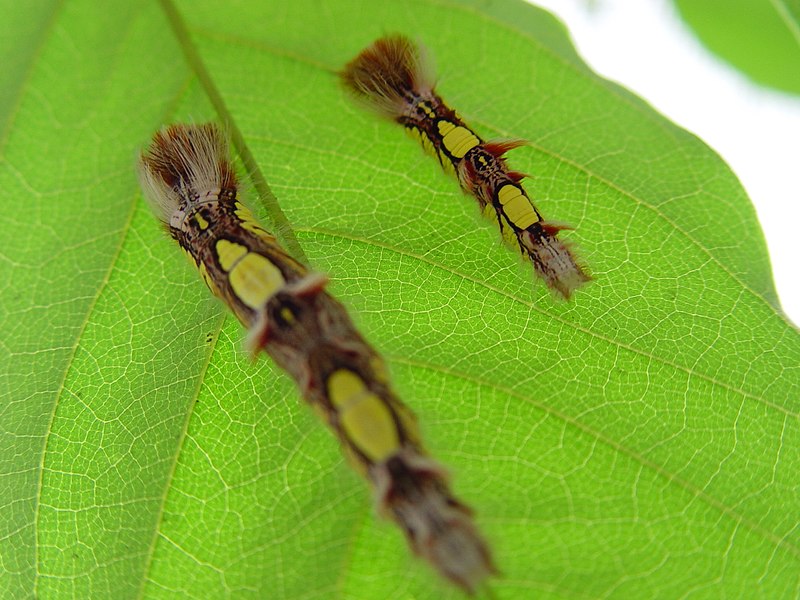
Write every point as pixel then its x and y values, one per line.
pixel 386 73
pixel 499 147
pixel 517 176
pixel 387 66
pixel 468 170
pixel 178 152
pixel 182 162
pixel 554 228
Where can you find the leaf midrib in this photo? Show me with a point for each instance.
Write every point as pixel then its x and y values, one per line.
pixel 69 366
pixel 786 17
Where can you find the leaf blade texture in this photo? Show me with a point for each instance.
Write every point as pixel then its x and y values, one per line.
pixel 639 441
pixel 761 38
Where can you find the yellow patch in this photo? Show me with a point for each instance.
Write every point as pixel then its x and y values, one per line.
pixel 267 238
pixel 212 285
pixel 201 221
pixel 287 315
pixel 229 253
pixel 379 369
pixel 509 236
pixel 244 213
pixel 254 279
pixel 517 207
pixel 427 109
pixel 418 135
pixel 248 222
pixel 365 418
pixel 457 139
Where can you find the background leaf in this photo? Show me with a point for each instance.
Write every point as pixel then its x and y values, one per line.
pixel 640 441
pixel 759 37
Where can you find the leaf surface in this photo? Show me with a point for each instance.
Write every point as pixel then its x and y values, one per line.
pixel 639 441
pixel 761 38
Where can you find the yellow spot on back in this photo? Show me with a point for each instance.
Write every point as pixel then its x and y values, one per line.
pixel 365 418
pixel 254 279
pixel 427 109
pixel 228 253
pixel 201 221
pixel 517 207
pixel 457 139
pixel 244 213
pixel 287 315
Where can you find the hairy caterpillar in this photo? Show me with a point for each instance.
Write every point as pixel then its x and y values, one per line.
pixel 190 182
pixel 390 77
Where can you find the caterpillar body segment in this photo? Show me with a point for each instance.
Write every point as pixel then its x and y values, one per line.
pixel 310 335
pixel 390 77
pixel 440 130
pixel 190 182
pixel 485 174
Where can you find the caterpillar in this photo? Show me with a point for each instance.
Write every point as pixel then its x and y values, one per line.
pixel 190 182
pixel 391 78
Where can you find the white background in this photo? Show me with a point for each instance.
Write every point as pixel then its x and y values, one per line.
pixel 647 48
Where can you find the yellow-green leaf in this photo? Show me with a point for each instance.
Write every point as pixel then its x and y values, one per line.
pixel 639 441
pixel 761 38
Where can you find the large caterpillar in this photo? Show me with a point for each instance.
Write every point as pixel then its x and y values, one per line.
pixel 390 77
pixel 190 182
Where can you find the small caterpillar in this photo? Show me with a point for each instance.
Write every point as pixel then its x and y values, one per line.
pixel 191 185
pixel 390 77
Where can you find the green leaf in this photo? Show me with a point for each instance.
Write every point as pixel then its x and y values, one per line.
pixel 639 441
pixel 761 38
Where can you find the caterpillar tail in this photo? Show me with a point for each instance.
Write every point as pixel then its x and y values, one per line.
pixel 412 490
pixel 552 258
